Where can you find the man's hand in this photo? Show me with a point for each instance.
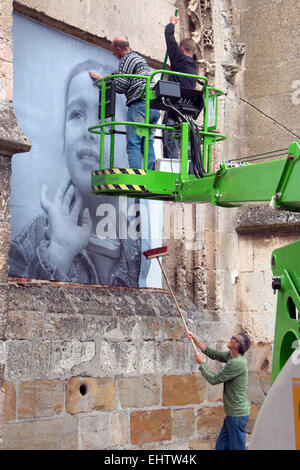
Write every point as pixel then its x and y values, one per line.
pixel 190 335
pixel 95 76
pixel 174 19
pixel 199 358
pixel 196 340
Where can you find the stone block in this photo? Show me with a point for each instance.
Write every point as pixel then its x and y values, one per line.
pixel 260 25
pixel 5 168
pixel 12 139
pixel 257 81
pixel 118 358
pixel 41 359
pixel 57 300
pixel 126 329
pixel 209 216
pixel 10 401
pixel 214 393
pixel 288 49
pixel 210 248
pixel 42 399
pixel 119 429
pixel 67 354
pixel 2 361
pixel 210 420
pixel 147 364
pixel 164 357
pixel 6 50
pixel 289 13
pixel 4 249
pixel 94 431
pixel 3 311
pixel 183 390
pixel 151 328
pixel 45 434
pixel 43 298
pixel 227 289
pixel 88 300
pixel 65 327
pixel 263 248
pixel 157 330
pixel 150 426
pixel 6 75
pixel 261 49
pixel 246 258
pixel 2 400
pixel 288 79
pixel 139 392
pixel 184 423
pixel 252 296
pixel 86 394
pixel 6 11
pixel 184 358
pixel 18 364
pixel 211 288
pixel 24 325
pixel 92 327
pixel 206 443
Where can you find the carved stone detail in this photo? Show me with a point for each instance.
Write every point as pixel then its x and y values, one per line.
pixel 200 16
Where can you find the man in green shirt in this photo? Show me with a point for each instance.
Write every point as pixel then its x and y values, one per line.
pixel 234 376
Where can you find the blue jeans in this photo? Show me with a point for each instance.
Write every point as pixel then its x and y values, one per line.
pixel 135 144
pixel 233 433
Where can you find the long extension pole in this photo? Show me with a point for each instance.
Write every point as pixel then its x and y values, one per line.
pixel 176 303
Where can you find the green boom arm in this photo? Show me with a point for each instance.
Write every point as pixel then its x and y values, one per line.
pixel 231 186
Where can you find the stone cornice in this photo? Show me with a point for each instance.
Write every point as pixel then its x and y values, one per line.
pixel 12 138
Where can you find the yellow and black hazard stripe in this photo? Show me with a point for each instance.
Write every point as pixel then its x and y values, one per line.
pixel 119 171
pixel 119 187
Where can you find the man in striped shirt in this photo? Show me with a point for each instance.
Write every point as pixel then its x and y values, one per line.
pixel 132 63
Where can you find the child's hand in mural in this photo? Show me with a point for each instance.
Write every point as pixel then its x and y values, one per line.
pixel 69 228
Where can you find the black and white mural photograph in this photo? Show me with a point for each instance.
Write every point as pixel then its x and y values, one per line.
pixel 59 230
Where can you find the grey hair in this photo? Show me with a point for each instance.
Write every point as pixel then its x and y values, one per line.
pixel 244 343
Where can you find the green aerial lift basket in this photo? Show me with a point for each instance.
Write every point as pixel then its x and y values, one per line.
pixel 150 184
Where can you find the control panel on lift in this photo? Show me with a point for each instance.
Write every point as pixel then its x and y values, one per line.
pixel 170 95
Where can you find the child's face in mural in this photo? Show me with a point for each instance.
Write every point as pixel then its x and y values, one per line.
pixel 82 147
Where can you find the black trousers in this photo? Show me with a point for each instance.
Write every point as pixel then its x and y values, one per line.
pixel 170 142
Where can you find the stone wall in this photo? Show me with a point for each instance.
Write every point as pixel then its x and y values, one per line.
pixel 12 140
pixel 98 368
pixel 92 367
